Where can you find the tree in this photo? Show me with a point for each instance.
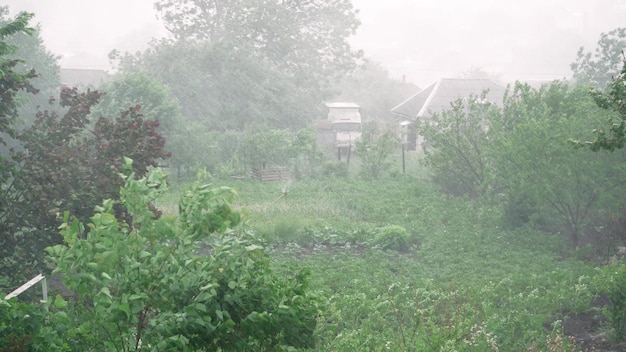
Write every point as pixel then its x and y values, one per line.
pixel 458 140
pixel 68 163
pixel 233 63
pixel 261 148
pixel 199 281
pixel 224 89
pixel 33 55
pixel 304 38
pixel 475 72
pixel 129 89
pixel 614 100
pixel 13 80
pixel 598 68
pixel 544 181
pixel 374 149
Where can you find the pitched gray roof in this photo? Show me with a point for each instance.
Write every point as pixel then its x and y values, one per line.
pixel 437 97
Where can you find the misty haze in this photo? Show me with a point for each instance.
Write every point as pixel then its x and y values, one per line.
pixel 312 175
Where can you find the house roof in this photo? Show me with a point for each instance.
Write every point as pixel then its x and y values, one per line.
pixel 437 97
pixel 77 77
pixel 342 106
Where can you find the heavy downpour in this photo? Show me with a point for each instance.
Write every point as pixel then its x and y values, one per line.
pixel 313 175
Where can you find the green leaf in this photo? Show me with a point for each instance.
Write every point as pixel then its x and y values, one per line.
pixel 59 302
pixel 135 296
pixel 144 254
pixel 105 291
pixel 253 247
pixel 125 309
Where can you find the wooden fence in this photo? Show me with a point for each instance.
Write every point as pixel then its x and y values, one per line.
pixel 272 174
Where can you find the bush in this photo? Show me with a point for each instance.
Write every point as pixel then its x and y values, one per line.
pixel 201 281
pixel 335 169
pixel 611 281
pixel 393 237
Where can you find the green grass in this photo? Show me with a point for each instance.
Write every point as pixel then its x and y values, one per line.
pixel 464 284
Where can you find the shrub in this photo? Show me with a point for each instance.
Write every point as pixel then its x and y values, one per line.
pixel 201 281
pixel 68 162
pixel 393 237
pixel 335 169
pixel 611 281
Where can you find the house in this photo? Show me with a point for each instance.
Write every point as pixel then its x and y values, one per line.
pixel 435 99
pixel 82 78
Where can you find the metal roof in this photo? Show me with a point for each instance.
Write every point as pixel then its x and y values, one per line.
pixel 437 97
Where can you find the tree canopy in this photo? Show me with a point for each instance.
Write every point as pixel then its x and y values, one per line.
pixel 300 37
pixel 32 55
pixel 13 79
pixel 232 63
pixel 598 68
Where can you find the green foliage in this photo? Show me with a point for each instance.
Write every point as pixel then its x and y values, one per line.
pixel 212 205
pixel 25 327
pixel 393 237
pixel 238 63
pixel 69 163
pixel 374 149
pixel 304 39
pixel 335 169
pixel 544 180
pixel 469 277
pixel 614 99
pixel 131 89
pixel 173 283
pixel 13 79
pixel 611 281
pixel 598 68
pixel 32 57
pixel 458 140
pixel 263 148
pixel 222 89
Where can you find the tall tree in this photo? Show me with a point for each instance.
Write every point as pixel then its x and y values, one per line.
pixel 33 55
pixel 225 89
pixel 13 81
pixel 302 37
pixel 598 68
pixel 13 78
pixel 240 61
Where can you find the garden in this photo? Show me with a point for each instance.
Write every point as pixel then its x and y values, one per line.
pixel 506 234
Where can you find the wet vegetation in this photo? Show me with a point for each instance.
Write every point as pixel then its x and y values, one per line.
pixel 505 234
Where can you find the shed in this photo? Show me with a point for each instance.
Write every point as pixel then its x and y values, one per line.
pixel 346 121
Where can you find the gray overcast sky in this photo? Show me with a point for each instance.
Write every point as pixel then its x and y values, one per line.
pixel 422 40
